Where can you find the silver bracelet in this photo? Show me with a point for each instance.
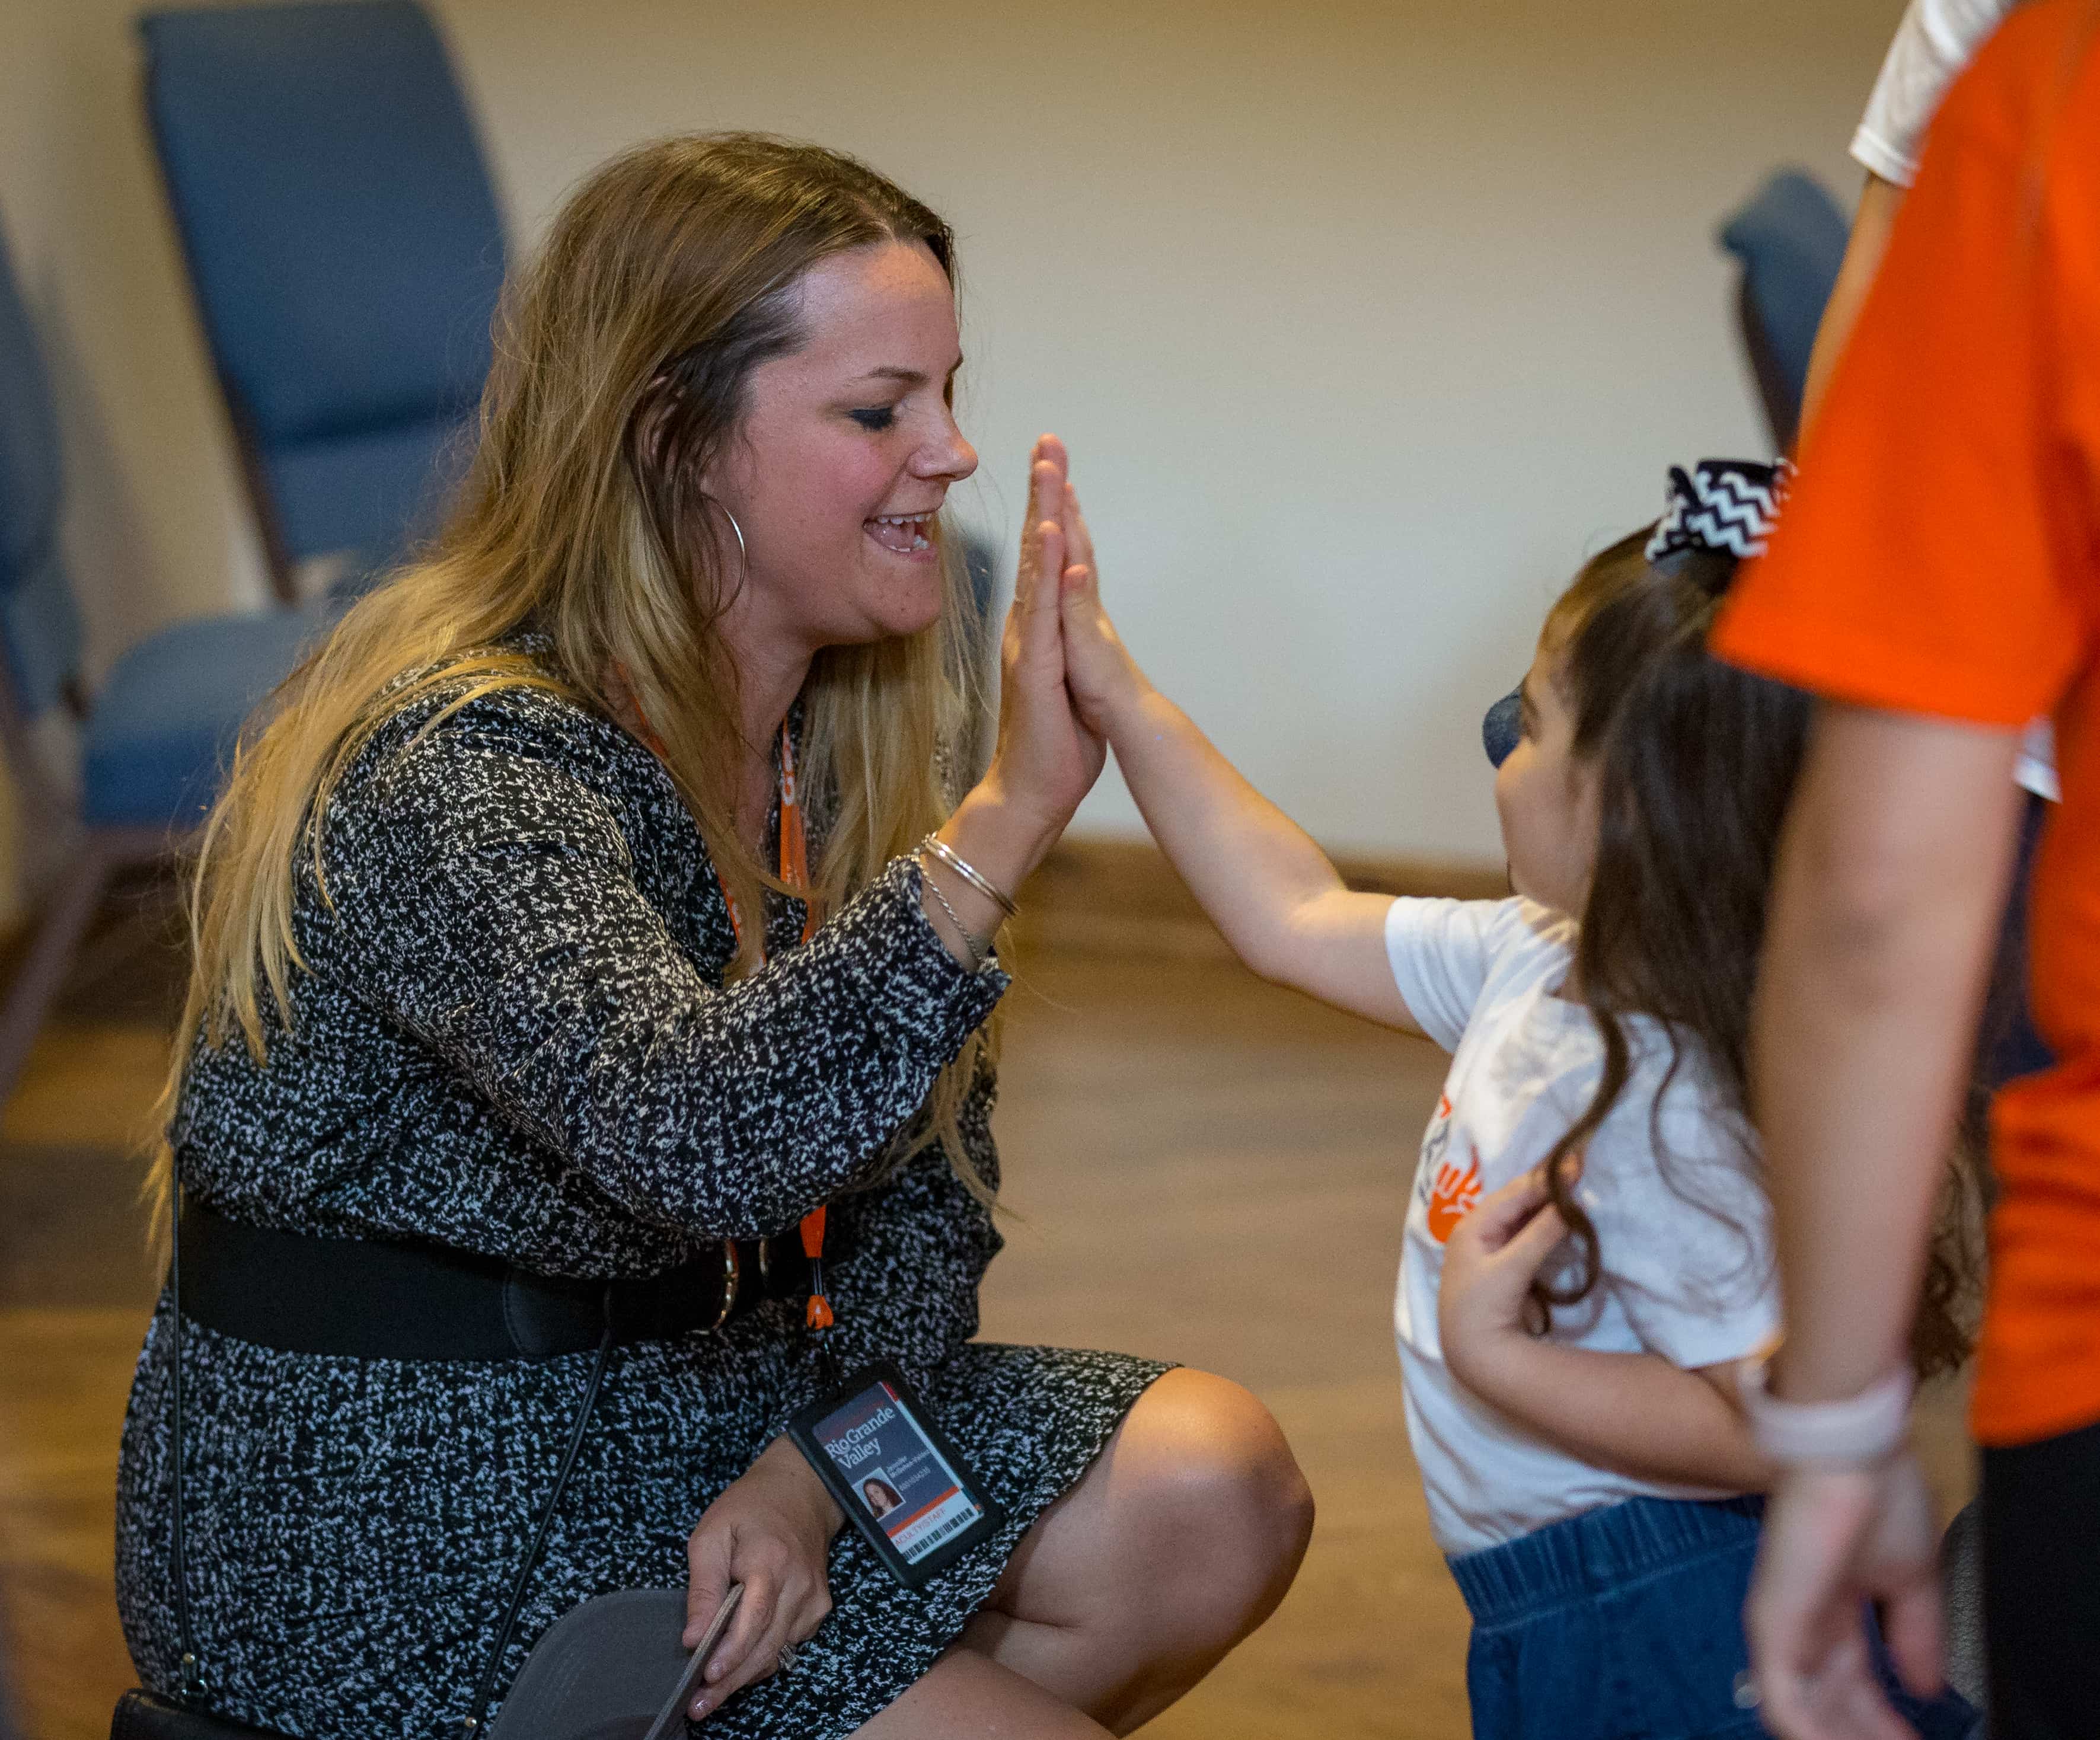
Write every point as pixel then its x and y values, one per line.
pixel 980 948
pixel 970 874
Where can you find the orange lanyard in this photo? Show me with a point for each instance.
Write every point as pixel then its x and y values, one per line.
pixel 794 853
pixel 795 872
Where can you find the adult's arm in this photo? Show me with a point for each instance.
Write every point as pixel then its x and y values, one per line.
pixel 917 1246
pixel 483 897
pixel 1885 909
pixel 1873 223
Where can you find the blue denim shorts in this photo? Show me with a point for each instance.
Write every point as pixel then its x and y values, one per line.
pixel 1627 1624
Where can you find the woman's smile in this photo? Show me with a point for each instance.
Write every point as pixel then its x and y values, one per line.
pixel 905 535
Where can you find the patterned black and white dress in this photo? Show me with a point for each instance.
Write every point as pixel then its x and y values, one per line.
pixel 513 1037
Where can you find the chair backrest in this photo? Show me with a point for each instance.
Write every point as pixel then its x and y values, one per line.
pixel 40 635
pixel 1790 237
pixel 346 250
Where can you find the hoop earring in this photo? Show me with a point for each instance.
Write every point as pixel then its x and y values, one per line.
pixel 743 549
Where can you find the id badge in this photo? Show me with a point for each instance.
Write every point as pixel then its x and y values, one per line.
pixel 898 1479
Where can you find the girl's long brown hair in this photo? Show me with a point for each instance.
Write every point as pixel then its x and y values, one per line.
pixel 1697 761
pixel 623 357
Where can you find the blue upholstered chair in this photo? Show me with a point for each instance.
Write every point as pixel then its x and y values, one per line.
pixel 1790 237
pixel 346 251
pixel 154 739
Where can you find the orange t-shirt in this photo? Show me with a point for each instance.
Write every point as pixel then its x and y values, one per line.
pixel 1941 555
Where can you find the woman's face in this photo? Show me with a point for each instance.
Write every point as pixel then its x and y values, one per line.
pixel 848 450
pixel 1546 795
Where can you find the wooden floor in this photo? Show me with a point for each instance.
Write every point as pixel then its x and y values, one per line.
pixel 1198 1167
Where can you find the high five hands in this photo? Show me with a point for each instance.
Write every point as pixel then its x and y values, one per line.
pixel 1101 679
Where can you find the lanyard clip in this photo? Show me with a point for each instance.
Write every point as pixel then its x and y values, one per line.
pixel 817 1313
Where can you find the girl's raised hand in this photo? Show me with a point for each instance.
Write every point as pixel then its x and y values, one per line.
pixel 1103 678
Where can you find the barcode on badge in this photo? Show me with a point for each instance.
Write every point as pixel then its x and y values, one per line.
pixel 954 1525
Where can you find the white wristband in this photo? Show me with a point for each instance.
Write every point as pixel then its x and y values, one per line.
pixel 1861 1431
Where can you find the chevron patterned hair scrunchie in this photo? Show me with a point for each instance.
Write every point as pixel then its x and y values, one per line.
pixel 1726 506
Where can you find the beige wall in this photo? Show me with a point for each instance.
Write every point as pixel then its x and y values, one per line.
pixel 1365 322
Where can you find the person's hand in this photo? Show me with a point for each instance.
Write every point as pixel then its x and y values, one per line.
pixel 1490 1260
pixel 1100 675
pixel 771 1531
pixel 1046 759
pixel 1835 1539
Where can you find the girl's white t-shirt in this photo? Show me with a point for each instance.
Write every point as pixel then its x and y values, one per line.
pixel 1686 1268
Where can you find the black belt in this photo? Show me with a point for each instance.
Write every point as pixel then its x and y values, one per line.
pixel 370 1299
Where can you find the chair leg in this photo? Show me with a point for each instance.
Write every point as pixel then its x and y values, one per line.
pixel 29 997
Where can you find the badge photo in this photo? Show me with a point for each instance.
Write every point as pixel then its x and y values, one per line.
pixel 899 1481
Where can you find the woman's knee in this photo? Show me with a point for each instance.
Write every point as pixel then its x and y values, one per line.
pixel 1223 1488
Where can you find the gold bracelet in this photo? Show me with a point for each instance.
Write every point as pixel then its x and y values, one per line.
pixel 980 948
pixel 970 874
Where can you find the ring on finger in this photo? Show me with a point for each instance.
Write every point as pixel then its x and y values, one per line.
pixel 786 1660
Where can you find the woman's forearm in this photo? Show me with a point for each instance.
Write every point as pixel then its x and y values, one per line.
pixel 1885 909
pixel 1636 1414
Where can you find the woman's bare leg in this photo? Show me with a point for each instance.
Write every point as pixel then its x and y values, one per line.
pixel 1180 1540
pixel 970 1696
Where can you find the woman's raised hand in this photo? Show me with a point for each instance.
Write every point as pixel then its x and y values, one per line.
pixel 1046 759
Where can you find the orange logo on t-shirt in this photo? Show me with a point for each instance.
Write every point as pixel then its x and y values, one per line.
pixel 1452 1196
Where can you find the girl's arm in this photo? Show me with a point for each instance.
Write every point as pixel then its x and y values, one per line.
pixel 1280 903
pixel 1635 1413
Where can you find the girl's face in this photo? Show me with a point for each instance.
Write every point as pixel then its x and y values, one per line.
pixel 846 452
pixel 1546 795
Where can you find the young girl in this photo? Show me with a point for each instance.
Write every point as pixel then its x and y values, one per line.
pixel 1588 1254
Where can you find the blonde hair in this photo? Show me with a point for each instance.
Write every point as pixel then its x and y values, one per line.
pixel 623 361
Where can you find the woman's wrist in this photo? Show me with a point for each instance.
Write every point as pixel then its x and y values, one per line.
pixel 785 1469
pixel 969 870
pixel 1003 838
